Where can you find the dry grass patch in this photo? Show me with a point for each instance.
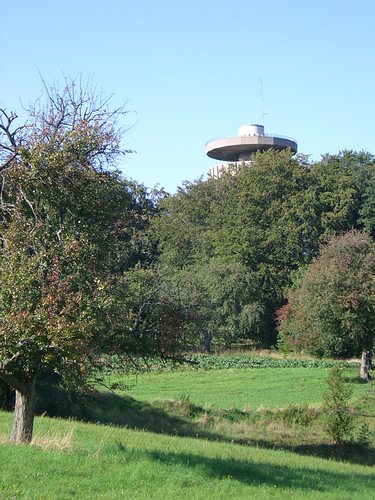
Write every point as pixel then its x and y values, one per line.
pixel 204 419
pixel 4 439
pixel 281 429
pixel 52 440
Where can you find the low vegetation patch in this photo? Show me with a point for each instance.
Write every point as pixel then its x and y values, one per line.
pixel 215 362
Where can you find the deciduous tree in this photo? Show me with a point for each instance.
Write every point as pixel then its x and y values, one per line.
pixel 332 311
pixel 219 303
pixel 70 227
pixel 270 217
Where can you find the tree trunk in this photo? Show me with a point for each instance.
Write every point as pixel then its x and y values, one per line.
pixel 23 421
pixel 207 342
pixel 366 362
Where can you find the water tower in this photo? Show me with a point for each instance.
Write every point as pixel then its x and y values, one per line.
pixel 234 151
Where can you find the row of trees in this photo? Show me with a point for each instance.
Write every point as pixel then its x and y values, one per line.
pixel 236 244
pixel 94 267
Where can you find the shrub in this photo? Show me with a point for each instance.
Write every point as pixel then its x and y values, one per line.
pixel 339 417
pixel 297 414
pixel 363 437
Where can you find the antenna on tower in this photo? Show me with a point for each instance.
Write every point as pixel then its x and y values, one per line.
pixel 262 98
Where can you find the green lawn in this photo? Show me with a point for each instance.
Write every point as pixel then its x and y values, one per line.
pixel 251 387
pixel 242 455
pixel 114 463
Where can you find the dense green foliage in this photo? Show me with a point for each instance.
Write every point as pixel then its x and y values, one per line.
pixel 270 218
pixel 332 311
pixel 218 300
pixel 215 362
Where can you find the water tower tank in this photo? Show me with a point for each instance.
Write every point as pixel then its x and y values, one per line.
pixel 251 130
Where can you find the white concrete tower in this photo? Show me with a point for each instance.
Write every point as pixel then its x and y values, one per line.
pixel 234 151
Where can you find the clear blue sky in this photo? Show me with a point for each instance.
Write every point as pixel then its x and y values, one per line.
pixel 191 71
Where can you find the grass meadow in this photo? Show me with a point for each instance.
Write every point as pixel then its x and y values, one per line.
pixel 76 460
pixel 238 388
pixel 197 434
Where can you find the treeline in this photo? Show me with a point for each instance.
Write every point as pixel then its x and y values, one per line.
pixel 230 248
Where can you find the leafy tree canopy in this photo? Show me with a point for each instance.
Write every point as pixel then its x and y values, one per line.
pixel 70 227
pixel 271 217
pixel 218 301
pixel 332 311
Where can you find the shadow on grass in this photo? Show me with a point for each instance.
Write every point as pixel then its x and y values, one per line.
pixel 356 380
pixel 108 408
pixel 265 473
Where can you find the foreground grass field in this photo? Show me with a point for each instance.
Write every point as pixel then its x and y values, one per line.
pixel 198 434
pixel 76 460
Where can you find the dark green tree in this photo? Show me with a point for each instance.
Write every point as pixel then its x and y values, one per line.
pixel 340 183
pixel 339 419
pixel 271 217
pixel 219 303
pixel 185 227
pixel 367 211
pixel 332 311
